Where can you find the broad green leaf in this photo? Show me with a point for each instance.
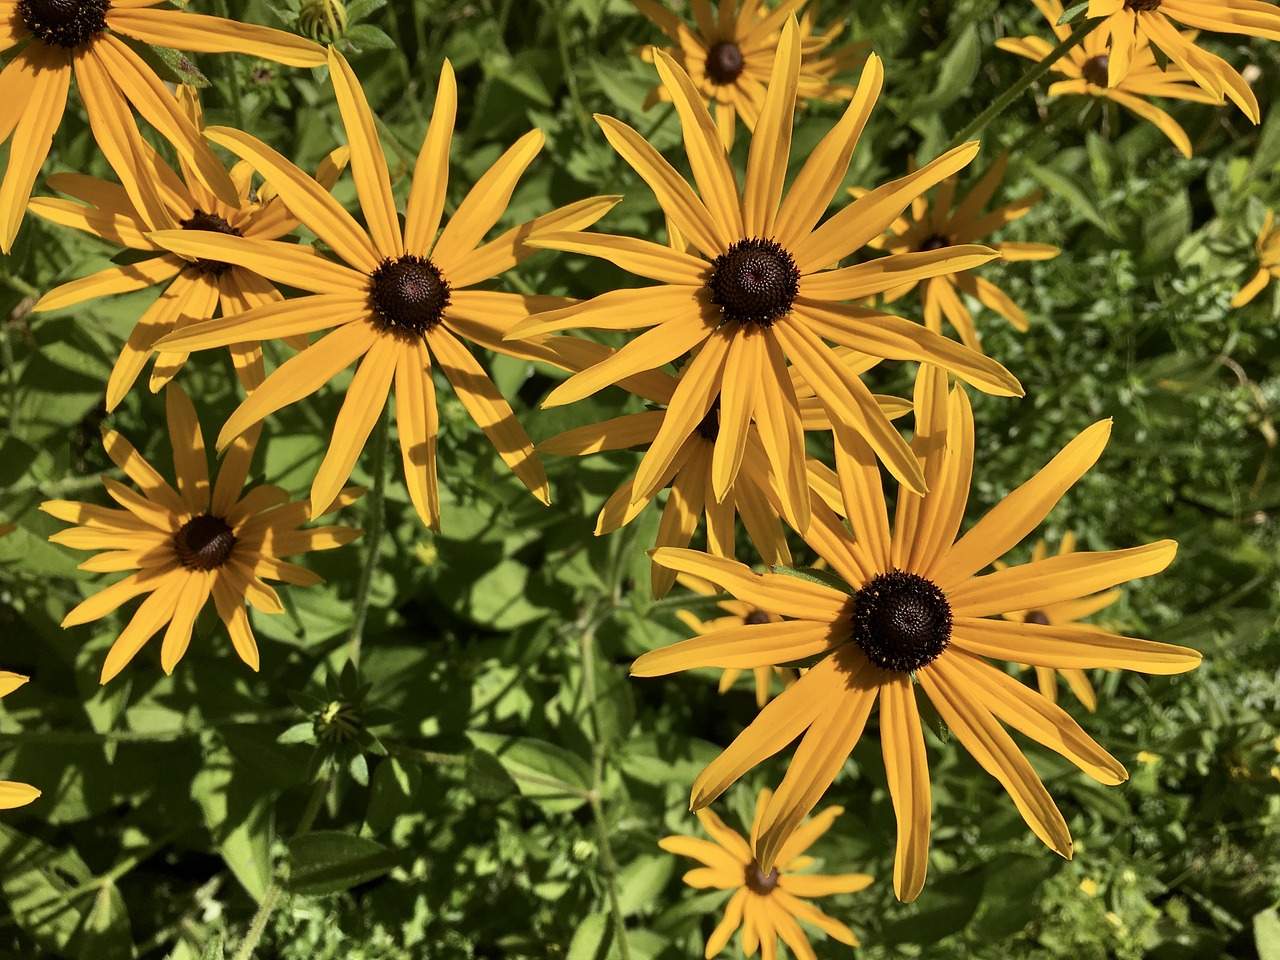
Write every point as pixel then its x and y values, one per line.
pixel 329 861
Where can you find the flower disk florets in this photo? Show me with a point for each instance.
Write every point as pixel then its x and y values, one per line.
pixel 756 617
pixel 1095 69
pixel 755 282
pixel 724 62
pixel 204 543
pixel 901 621
pixel 759 882
pixel 64 23
pixel 409 295
pixel 935 241
pixel 1142 4
pixel 210 223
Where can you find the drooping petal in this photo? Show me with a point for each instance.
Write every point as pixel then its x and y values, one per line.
pixel 744 647
pixel 46 76
pixel 907 769
pixel 1073 645
pixel 779 593
pixel 419 428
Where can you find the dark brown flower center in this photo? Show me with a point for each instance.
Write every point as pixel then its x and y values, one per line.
pixel 758 881
pixel 901 621
pixel 756 617
pixel 724 62
pixel 64 23
pixel 755 282
pixel 935 241
pixel 1138 5
pixel 210 223
pixel 1095 70
pixel 204 543
pixel 409 295
pixel 1037 617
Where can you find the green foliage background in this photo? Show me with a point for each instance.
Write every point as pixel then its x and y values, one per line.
pixel 507 798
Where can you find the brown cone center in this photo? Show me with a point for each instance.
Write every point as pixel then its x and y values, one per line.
pixel 758 881
pixel 724 62
pixel 409 295
pixel 1095 70
pixel 204 543
pixel 64 23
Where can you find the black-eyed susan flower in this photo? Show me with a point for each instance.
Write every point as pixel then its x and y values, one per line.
pixel 1268 247
pixel 916 613
pixel 1089 65
pixel 767 904
pixel 400 301
pixel 14 794
pixel 734 613
pixel 758 292
pixel 1132 25
pixel 56 38
pixel 1060 614
pixel 728 51
pixel 195 288
pixel 949 221
pixel 190 544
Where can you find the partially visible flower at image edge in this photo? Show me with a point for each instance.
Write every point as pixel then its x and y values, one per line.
pixel 1268 248
pixel 1058 614
pixel 14 794
pixel 916 614
pixel 766 904
pixel 946 221
pixel 1133 24
pixel 1088 66
pixel 58 39
pixel 190 544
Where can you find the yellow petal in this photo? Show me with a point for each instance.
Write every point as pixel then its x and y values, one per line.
pixel 907 769
pixel 1077 646
pixel 419 429
pixel 771 139
pixel 190 463
pixel 431 171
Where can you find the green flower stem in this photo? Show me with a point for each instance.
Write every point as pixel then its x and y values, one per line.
pixel 607 861
pixel 269 899
pixel 377 513
pixel 1037 70
pixel 567 61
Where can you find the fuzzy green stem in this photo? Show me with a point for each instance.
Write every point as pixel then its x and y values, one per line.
pixel 268 904
pixel 373 533
pixel 1037 70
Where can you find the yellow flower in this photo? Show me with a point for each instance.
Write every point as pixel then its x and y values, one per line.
pixel 916 614
pixel 1133 24
pixel 1268 247
pixel 766 904
pixel 758 292
pixel 59 38
pixel 690 474
pixel 195 287
pixel 14 794
pixel 1059 614
pixel 190 544
pixel 402 302
pixel 1094 71
pixel 736 614
pixel 947 222
pixel 728 54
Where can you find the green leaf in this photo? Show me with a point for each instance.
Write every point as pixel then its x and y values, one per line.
pixel 1072 12
pixel 642 880
pixel 552 776
pixel 591 940
pixel 366 36
pixel 1266 934
pixel 329 861
pixel 394 785
pixel 824 577
pixel 1074 194
pixel 487 778
pixel 237 812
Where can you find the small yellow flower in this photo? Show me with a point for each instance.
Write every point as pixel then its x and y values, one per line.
pixel 14 794
pixel 738 614
pixel 1268 247
pixel 1134 26
pixel 1089 886
pixel 187 546
pixel 1058 614
pixel 766 904
pixel 947 222
pixel 1147 758
pixel 1093 70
